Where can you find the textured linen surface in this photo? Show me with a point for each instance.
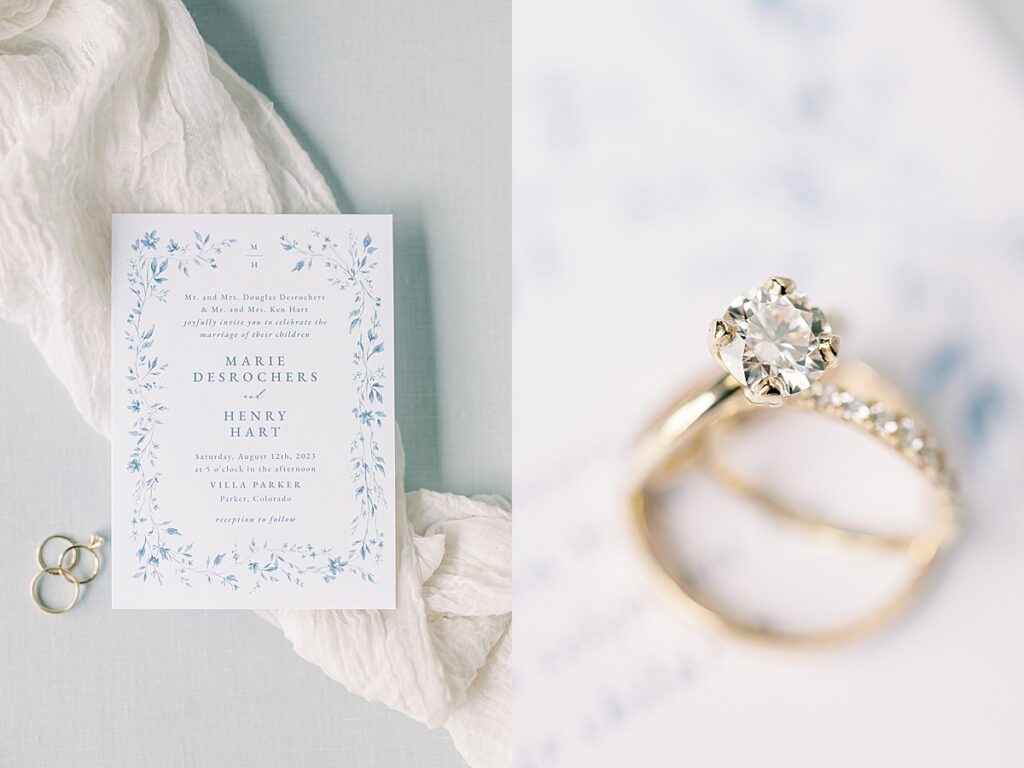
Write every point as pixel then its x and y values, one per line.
pixel 110 106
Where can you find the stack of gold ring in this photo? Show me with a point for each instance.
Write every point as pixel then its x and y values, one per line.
pixel 776 348
pixel 65 567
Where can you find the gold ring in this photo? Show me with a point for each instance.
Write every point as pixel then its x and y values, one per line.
pixel 73 550
pixel 47 540
pixel 778 349
pixel 54 571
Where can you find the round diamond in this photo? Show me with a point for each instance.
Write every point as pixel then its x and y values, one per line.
pixel 911 437
pixel 856 410
pixel 776 338
pixel 884 420
pixel 825 395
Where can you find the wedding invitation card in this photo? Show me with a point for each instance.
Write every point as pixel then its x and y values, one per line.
pixel 253 431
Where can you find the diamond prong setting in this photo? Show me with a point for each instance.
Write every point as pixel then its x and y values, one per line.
pixel 779 286
pixel 774 342
pixel 829 346
pixel 767 391
pixel 721 332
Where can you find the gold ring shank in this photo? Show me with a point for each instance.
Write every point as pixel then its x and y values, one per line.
pixel 47 540
pixel 73 551
pixel 54 571
pixel 676 440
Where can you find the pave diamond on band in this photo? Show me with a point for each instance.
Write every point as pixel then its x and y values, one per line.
pixel 902 431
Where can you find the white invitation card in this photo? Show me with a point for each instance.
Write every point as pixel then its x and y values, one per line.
pixel 253 432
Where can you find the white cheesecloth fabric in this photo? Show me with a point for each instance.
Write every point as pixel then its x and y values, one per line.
pixel 119 105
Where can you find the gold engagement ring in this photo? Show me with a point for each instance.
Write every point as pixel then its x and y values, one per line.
pixel 776 349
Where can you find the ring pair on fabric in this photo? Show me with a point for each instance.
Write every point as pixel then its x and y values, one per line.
pixel 776 348
pixel 65 567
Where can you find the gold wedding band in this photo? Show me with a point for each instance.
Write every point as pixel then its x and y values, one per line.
pixel 47 540
pixel 778 349
pixel 55 571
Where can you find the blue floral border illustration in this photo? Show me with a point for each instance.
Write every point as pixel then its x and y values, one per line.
pixel 148 274
pixel 353 271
